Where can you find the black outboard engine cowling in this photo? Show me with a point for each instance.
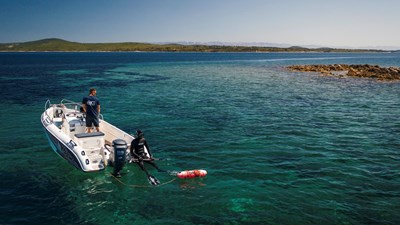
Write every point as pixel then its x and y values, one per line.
pixel 120 147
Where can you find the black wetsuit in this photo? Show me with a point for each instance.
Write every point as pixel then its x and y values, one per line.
pixel 137 152
pixel 137 148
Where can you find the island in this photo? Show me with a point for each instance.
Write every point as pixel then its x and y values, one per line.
pixel 343 70
pixel 60 45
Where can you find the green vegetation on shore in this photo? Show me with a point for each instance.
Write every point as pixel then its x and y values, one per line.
pixel 59 45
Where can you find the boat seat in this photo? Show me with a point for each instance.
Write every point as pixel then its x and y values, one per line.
pixel 90 141
pixel 92 134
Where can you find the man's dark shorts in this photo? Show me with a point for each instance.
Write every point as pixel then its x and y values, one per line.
pixel 92 120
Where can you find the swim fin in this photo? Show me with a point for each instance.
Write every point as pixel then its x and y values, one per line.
pixel 153 181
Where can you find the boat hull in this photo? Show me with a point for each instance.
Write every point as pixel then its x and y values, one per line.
pixel 61 147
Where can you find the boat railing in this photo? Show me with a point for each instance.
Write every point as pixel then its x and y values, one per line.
pixel 70 104
pixel 75 106
pixel 46 106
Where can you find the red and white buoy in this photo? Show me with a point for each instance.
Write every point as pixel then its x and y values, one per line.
pixel 191 174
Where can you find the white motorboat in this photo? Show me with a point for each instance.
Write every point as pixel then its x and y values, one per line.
pixel 65 126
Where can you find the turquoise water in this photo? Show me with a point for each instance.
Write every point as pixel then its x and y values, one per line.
pixel 279 147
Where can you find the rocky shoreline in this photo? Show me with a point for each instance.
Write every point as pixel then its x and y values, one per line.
pixel 342 70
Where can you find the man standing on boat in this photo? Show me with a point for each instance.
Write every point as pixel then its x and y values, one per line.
pixel 91 106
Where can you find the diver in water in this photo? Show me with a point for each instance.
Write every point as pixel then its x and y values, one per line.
pixel 139 155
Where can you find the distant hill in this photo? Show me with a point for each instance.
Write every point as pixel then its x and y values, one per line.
pixel 59 45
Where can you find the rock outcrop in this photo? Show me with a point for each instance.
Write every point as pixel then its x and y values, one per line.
pixel 342 70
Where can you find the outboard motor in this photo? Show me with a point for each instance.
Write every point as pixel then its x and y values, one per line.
pixel 120 147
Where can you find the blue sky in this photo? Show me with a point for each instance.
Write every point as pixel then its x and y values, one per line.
pixel 338 23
